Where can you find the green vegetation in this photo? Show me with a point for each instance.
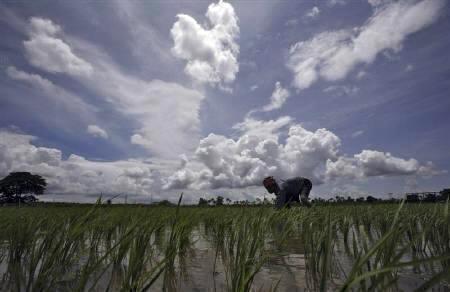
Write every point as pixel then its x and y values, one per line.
pixel 15 184
pixel 135 248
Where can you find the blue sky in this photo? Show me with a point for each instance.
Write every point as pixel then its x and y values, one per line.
pixel 150 98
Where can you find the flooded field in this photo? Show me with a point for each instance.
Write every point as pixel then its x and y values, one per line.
pixel 324 248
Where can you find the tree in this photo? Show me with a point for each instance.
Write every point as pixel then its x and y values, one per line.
pixel 371 199
pixel 412 198
pixel 165 203
pixel 445 194
pixel 202 202
pixel 360 200
pixel 340 199
pixel 16 184
pixel 430 198
pixel 219 201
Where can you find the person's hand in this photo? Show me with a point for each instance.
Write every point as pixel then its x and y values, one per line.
pixel 306 203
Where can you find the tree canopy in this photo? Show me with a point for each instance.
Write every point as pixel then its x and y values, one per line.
pixel 19 183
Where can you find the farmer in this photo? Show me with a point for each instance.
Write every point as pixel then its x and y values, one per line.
pixel 295 189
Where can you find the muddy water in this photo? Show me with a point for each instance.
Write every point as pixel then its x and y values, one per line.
pixel 285 270
pixel 288 271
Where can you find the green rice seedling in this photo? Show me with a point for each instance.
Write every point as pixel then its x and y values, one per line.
pixel 20 243
pixel 176 247
pixel 377 267
pixel 349 247
pixel 243 251
pixel 139 271
pixel 50 258
pixel 319 234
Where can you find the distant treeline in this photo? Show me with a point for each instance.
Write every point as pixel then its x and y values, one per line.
pixel 426 197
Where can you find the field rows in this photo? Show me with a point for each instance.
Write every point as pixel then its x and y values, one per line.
pixel 137 248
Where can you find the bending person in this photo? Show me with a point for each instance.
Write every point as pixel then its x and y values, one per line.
pixel 295 189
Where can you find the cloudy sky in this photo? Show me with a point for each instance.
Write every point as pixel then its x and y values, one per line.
pixel 150 99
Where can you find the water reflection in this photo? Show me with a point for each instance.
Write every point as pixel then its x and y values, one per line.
pixel 201 269
pixel 285 270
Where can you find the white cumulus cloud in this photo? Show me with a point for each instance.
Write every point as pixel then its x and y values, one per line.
pixel 375 163
pixel 46 50
pixel 221 162
pixel 278 98
pixel 77 175
pixel 260 150
pixel 165 114
pixel 313 13
pixel 96 131
pixel 211 51
pixel 332 55
pixel 79 179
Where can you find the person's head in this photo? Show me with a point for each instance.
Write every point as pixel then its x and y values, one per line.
pixel 271 185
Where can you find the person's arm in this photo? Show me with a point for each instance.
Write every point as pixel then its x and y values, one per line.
pixel 304 193
pixel 281 199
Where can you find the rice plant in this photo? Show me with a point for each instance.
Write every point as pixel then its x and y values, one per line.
pixel 138 248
